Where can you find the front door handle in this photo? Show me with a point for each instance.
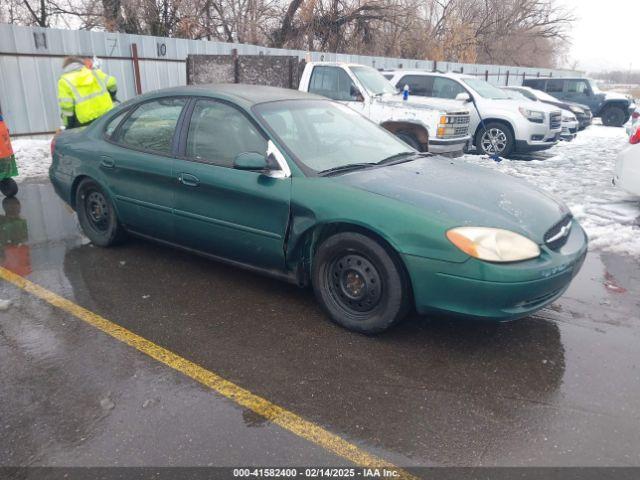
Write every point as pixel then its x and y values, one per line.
pixel 188 180
pixel 107 162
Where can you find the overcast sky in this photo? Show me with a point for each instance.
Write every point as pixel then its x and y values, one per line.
pixel 606 34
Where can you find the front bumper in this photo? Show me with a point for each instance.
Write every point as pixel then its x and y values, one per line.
pixel 524 146
pixel 450 147
pixel 496 291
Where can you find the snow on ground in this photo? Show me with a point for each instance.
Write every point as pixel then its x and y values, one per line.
pixel 580 173
pixel 577 172
pixel 33 157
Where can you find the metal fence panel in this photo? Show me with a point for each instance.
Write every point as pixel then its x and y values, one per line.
pixel 31 62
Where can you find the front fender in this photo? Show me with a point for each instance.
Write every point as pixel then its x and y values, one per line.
pixel 318 201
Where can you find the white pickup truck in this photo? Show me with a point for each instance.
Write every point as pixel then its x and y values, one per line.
pixel 427 124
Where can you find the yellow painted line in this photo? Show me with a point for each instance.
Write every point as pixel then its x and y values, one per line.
pixel 272 412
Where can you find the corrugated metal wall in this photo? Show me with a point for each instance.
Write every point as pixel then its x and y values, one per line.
pixel 31 60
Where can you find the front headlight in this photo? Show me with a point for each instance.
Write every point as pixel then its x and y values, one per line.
pixel 493 244
pixel 532 115
pixel 568 118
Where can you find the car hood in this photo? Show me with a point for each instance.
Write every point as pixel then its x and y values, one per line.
pixel 512 105
pixel 615 96
pixel 458 194
pixel 428 103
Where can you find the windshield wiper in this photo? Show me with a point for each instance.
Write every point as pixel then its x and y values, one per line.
pixel 346 168
pixel 399 158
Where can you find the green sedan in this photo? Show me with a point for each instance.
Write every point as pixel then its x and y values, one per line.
pixel 306 190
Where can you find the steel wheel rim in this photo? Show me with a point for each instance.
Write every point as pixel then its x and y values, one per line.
pixel 97 210
pixel 499 140
pixel 354 284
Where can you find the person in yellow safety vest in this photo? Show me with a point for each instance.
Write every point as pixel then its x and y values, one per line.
pixel 84 94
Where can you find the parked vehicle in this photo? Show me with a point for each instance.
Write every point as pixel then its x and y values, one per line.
pixel 569 121
pixel 634 122
pixel 627 173
pixel 437 126
pixel 305 189
pixel 511 126
pixel 582 112
pixel 613 108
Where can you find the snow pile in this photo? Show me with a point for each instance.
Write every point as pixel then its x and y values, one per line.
pixel 580 173
pixel 32 156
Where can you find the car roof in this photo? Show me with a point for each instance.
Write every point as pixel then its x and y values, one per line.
pixel 426 72
pixel 244 94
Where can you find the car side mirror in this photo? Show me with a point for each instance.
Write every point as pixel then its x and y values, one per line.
pixel 463 97
pixel 252 161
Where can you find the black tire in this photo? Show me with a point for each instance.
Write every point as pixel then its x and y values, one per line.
pixel 410 140
pixel 8 187
pixel 505 143
pixel 614 116
pixel 361 285
pixel 96 215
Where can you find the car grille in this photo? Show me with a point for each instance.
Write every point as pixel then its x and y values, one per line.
pixel 557 235
pixel 555 119
pixel 460 125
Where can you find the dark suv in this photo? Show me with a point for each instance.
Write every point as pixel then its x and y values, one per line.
pixel 613 108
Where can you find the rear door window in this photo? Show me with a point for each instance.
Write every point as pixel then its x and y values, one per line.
pixel 555 86
pixel 152 125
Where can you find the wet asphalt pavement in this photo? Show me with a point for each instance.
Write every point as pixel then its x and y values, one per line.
pixel 561 388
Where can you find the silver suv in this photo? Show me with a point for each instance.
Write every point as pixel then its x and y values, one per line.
pixel 511 126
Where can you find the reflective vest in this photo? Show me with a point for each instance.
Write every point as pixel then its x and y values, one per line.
pixel 8 166
pixel 85 94
pixel 5 142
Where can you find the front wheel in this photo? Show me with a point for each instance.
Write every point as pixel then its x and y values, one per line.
pixel 614 117
pixel 96 215
pixel 495 139
pixel 359 283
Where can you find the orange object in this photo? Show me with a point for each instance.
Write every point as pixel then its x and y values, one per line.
pixel 5 141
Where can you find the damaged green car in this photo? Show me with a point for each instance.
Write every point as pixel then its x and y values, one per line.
pixel 304 189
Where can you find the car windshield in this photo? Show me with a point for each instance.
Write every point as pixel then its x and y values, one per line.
pixel 594 86
pixel 516 95
pixel 544 96
pixel 373 80
pixel 324 135
pixel 485 89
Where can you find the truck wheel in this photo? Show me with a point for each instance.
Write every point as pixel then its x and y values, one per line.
pixel 97 216
pixel 8 187
pixel 360 284
pixel 410 140
pixel 614 117
pixel 503 142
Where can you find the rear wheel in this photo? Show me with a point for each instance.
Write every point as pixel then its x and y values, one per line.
pixel 410 140
pixel 614 117
pixel 495 139
pixel 96 215
pixel 359 283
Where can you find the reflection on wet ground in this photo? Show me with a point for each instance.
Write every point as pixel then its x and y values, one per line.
pixel 559 388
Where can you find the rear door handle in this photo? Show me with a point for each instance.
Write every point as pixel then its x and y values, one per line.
pixel 188 180
pixel 107 162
